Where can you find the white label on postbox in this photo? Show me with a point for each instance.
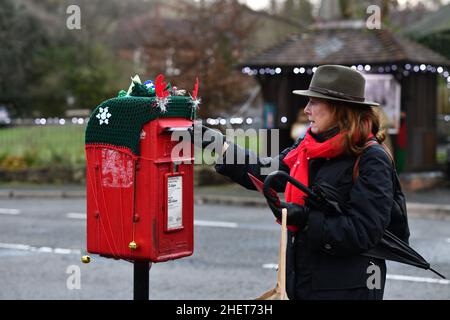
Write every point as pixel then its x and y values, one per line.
pixel 174 202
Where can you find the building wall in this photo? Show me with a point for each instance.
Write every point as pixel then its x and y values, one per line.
pixel 419 101
pixel 278 91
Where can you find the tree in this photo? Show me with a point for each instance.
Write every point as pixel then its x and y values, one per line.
pixel 298 10
pixel 305 10
pixel 87 76
pixel 78 65
pixel 20 35
pixel 273 7
pixel 206 41
pixel 288 8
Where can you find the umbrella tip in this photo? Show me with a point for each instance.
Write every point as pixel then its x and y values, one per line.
pixel 440 275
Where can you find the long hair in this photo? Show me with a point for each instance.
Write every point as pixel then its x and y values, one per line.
pixel 357 122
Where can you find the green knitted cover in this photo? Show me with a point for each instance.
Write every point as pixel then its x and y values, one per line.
pixel 127 115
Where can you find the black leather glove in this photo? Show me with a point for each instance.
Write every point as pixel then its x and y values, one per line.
pixel 297 215
pixel 211 135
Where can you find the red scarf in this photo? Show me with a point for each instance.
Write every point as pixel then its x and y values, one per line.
pixel 297 161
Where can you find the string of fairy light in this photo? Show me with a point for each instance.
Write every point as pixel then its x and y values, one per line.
pixel 399 69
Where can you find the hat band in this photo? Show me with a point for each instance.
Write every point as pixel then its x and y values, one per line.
pixel 336 94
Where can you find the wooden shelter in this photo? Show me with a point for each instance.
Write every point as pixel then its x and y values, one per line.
pixel 291 63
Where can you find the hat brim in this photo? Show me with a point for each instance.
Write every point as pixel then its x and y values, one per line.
pixel 309 93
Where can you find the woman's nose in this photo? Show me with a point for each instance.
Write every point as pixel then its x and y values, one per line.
pixel 307 111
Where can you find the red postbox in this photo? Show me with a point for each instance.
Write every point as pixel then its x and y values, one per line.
pixel 140 206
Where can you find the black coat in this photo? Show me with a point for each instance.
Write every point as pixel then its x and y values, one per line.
pixel 323 260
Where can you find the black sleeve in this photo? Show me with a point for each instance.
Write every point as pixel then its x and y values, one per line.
pixel 366 215
pixel 237 162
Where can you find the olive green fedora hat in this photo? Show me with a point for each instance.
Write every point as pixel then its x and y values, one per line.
pixel 340 83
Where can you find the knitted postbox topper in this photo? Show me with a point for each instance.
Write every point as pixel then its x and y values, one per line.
pixel 118 121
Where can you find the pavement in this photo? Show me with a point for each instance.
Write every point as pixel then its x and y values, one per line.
pixel 432 203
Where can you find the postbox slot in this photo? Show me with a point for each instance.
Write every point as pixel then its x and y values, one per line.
pixel 176 129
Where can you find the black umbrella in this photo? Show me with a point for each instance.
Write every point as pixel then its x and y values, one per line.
pixel 324 196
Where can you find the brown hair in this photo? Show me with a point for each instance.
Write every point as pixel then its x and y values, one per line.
pixel 358 122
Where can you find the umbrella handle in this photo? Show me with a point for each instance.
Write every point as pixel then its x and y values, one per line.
pixel 276 174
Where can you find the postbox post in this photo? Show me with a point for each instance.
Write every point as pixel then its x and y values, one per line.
pixel 141 280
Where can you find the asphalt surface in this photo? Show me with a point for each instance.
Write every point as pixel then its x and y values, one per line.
pixel 42 240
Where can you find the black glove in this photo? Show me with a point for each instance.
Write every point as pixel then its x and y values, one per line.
pixel 297 215
pixel 211 135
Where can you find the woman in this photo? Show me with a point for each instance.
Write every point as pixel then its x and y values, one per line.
pixel 324 258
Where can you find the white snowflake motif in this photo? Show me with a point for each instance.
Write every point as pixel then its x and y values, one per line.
pixel 103 115
pixel 195 102
pixel 162 103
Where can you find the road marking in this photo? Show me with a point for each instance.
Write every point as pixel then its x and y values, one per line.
pixel 13 212
pixel 219 224
pixel 398 277
pixel 200 223
pixel 273 266
pixel 416 279
pixel 74 215
pixel 63 251
pixel 25 247
pixel 14 246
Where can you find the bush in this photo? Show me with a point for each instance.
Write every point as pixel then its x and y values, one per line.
pixel 13 163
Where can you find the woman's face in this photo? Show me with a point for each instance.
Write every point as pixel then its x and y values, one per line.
pixel 319 114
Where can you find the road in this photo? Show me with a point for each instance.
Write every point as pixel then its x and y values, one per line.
pixel 42 240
